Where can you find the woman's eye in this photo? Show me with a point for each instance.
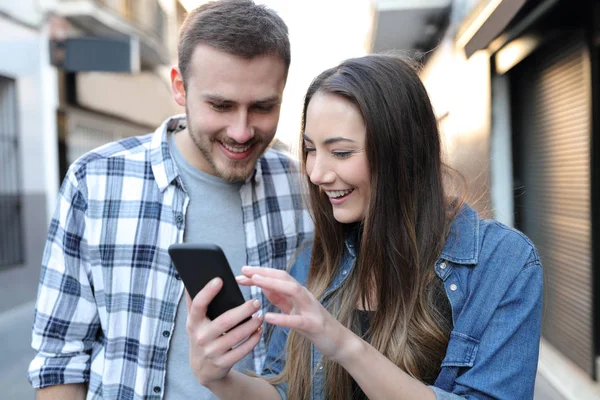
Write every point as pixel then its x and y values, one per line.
pixel 342 154
pixel 309 149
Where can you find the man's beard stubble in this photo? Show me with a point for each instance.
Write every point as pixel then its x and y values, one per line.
pixel 233 173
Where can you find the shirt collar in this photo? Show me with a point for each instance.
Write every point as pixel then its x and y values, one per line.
pixel 462 243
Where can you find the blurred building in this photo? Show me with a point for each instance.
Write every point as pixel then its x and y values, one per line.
pixel 74 74
pixel 516 88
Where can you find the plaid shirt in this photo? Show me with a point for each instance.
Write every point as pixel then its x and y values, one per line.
pixel 108 292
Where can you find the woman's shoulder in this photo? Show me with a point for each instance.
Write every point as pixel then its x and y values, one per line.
pixel 500 241
pixel 488 244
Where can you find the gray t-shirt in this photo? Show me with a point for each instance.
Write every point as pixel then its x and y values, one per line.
pixel 214 215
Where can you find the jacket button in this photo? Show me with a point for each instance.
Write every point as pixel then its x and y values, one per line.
pixel 443 265
pixel 319 366
pixel 344 272
pixel 453 287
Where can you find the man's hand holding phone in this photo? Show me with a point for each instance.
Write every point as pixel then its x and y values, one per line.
pixel 212 351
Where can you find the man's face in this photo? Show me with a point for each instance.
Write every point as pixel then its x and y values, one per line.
pixel 232 106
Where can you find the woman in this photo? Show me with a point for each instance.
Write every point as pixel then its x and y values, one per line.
pixel 409 295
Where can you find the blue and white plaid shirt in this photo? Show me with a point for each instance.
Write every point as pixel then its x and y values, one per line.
pixel 108 293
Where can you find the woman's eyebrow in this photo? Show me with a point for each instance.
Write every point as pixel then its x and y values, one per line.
pixel 331 140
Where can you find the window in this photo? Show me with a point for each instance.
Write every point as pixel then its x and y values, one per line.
pixel 11 224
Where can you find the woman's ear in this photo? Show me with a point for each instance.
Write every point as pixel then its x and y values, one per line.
pixel 177 86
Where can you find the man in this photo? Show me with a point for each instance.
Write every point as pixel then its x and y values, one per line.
pixel 111 313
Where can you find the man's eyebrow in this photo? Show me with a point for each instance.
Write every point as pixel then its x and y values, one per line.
pixel 270 99
pixel 220 99
pixel 216 98
pixel 331 140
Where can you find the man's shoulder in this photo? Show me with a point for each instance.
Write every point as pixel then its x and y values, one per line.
pixel 274 162
pixel 134 148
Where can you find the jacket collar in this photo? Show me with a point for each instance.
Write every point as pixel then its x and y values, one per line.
pixel 462 243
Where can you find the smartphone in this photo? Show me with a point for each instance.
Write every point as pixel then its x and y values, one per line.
pixel 198 264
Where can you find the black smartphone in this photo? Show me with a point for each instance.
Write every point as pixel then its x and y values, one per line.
pixel 198 264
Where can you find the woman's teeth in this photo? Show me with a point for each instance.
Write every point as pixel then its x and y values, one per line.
pixel 338 193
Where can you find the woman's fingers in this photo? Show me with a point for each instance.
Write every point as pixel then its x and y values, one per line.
pixel 269 272
pixel 292 290
pixel 231 318
pixel 235 355
pixel 199 304
pixel 278 301
pixel 236 335
pixel 297 322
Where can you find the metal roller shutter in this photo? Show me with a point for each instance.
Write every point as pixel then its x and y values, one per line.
pixel 553 106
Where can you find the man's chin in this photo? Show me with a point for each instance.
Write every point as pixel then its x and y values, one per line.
pixel 235 173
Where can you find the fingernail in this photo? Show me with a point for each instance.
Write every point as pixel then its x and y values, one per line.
pixel 240 278
pixel 256 303
pixel 215 282
pixel 257 276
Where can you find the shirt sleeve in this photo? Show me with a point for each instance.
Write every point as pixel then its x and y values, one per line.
pixel 505 359
pixel 66 323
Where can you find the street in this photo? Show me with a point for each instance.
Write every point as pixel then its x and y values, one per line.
pixel 16 352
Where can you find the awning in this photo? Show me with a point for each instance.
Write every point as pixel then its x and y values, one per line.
pixel 485 23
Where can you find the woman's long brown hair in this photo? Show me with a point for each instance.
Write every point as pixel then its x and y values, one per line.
pixel 403 232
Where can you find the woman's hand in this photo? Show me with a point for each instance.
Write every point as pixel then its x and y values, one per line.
pixel 212 351
pixel 300 310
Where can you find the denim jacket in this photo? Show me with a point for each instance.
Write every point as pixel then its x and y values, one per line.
pixel 493 279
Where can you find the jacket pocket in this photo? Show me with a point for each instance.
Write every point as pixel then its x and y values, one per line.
pixel 460 356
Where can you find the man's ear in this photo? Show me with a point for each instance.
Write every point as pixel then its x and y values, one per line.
pixel 177 86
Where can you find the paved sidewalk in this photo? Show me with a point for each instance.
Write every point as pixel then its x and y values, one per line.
pixel 15 348
pixel 545 391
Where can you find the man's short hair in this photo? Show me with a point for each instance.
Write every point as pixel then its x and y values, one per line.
pixel 237 27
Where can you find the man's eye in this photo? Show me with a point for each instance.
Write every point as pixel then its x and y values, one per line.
pixel 264 108
pixel 220 106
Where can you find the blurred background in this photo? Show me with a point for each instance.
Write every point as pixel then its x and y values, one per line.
pixel 514 83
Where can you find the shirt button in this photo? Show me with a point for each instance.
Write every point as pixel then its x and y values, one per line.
pixel 156 389
pixel 453 287
pixel 179 218
pixel 166 333
pixel 177 277
pixel 319 366
pixel 443 265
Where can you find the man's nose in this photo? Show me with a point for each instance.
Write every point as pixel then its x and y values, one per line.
pixel 240 130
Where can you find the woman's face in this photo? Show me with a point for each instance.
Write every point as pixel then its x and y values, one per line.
pixel 334 140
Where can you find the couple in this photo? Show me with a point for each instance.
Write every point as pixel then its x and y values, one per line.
pixel 400 292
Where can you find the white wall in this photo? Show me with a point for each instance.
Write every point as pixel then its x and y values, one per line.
pixel 24 57
pixel 143 98
pixel 26 11
pixel 461 95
